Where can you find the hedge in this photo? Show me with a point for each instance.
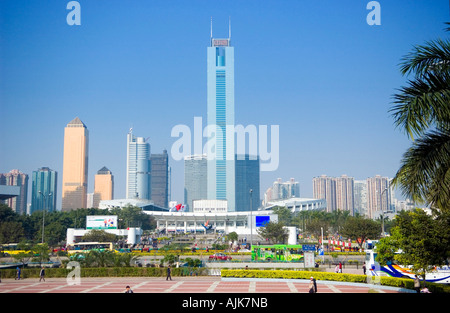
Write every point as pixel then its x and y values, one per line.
pixel 106 272
pixel 354 278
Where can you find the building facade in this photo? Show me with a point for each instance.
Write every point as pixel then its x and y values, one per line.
pixel 195 179
pixel 220 120
pixel 247 183
pixel 337 191
pixel 75 165
pixel 44 190
pixel 138 168
pixel 378 196
pixel 16 178
pixel 160 179
pixel 103 186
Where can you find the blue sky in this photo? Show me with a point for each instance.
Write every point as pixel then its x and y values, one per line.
pixel 315 68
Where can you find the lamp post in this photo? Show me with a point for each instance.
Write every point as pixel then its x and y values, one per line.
pixel 43 212
pixel 251 218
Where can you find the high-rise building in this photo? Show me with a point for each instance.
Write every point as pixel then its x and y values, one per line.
pixel 138 168
pixel 345 194
pixel 360 193
pixel 378 195
pixel 43 190
pixel 16 178
pixel 75 165
pixel 220 116
pixel 103 186
pixel 285 190
pixel 195 179
pixel 160 179
pixel 324 187
pixel 247 178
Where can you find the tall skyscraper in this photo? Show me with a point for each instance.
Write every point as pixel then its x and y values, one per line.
pixel 220 105
pixel 138 167
pixel 75 165
pixel 247 178
pixel 195 179
pixel 16 178
pixel 160 179
pixel 103 186
pixel 43 190
pixel 378 195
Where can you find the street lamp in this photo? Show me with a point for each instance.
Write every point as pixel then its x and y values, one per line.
pixel 43 212
pixel 251 219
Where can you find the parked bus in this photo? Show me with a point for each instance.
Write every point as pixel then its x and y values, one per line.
pixel 284 253
pixel 438 275
pixel 11 249
pixel 85 247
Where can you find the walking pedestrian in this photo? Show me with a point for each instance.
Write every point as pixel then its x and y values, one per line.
pixel 416 284
pixel 364 268
pixel 18 273
pixel 42 274
pixel 315 285
pixel 128 289
pixel 168 273
pixel 311 285
pixel 340 267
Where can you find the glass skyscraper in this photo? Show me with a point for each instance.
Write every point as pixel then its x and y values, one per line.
pixel 43 190
pixel 138 168
pixel 195 179
pixel 220 115
pixel 247 178
pixel 160 179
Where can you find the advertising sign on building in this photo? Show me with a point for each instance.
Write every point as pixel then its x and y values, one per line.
pixel 101 222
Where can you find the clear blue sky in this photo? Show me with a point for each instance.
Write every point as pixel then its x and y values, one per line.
pixel 315 68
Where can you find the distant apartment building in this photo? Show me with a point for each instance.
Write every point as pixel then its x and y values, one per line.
pixel 379 195
pixel 360 194
pixel 44 190
pixel 16 178
pixel 337 191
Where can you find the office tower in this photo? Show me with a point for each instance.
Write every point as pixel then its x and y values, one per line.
pixel 160 179
pixel 378 195
pixel 43 190
pixel 360 194
pixel 220 116
pixel 284 190
pixel 138 167
pixel 324 187
pixel 75 165
pixel 247 178
pixel 344 193
pixel 16 178
pixel 103 186
pixel 195 179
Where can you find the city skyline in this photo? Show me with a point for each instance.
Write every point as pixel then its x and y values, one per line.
pixel 327 80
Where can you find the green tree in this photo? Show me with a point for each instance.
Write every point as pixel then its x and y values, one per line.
pixel 360 228
pixel 421 239
pixel 275 232
pixel 98 235
pixel 422 109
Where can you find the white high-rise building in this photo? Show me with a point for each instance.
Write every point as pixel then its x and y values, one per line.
pixel 138 168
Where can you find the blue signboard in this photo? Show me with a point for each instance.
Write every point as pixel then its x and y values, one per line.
pixel 261 221
pixel 309 247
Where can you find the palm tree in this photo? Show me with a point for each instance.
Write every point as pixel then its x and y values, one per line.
pixel 422 109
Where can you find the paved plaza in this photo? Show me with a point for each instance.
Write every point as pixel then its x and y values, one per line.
pixel 184 285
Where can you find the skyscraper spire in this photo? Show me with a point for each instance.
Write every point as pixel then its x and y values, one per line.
pixel 229 27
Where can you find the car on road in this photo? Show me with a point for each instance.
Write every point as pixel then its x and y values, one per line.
pixel 220 256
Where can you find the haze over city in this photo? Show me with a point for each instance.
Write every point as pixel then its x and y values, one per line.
pixel 317 70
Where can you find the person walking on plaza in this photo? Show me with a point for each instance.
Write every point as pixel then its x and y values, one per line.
pixel 311 288
pixel 168 273
pixel 128 290
pixel 364 268
pixel 18 273
pixel 340 267
pixel 42 274
pixel 416 284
